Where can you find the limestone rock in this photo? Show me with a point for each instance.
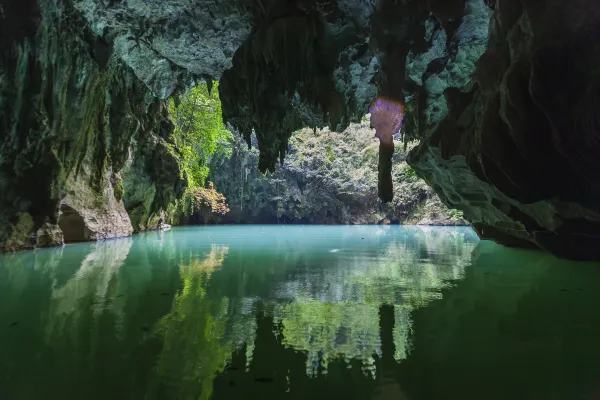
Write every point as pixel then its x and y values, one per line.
pixel 170 44
pixel 49 235
pixel 518 149
pixel 502 94
pixel 327 178
pixel 66 100
pixel 19 233
pixel 88 215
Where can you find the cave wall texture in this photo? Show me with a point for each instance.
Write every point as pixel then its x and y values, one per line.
pixel 502 95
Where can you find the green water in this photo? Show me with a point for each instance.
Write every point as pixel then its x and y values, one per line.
pixel 276 312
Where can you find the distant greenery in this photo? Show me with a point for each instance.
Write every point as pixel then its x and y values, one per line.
pixel 455 215
pixel 410 173
pixel 199 131
pixel 199 134
pixel 198 198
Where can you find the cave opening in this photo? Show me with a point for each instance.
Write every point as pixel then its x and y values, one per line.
pixel 72 225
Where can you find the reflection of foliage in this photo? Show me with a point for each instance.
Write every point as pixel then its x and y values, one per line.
pixel 199 131
pixel 329 330
pixel 194 349
pixel 326 304
pixel 341 318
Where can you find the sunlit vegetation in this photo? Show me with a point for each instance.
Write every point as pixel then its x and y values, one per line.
pixel 199 134
pixel 199 130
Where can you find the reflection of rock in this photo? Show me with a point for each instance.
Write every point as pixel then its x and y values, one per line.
pixel 90 283
pixel 516 312
pixel 88 215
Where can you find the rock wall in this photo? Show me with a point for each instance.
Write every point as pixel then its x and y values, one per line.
pixel 517 147
pixel 327 178
pixel 70 111
pixel 85 214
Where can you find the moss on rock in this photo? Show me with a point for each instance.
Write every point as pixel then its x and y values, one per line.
pixel 19 233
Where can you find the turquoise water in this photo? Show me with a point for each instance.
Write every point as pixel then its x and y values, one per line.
pixel 319 312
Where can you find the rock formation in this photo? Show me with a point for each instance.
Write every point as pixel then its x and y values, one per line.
pixel 517 149
pixel 502 95
pixel 70 114
pixel 326 178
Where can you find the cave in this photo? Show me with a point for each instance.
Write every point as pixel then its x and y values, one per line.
pixel 502 96
pixel 72 225
pixel 408 206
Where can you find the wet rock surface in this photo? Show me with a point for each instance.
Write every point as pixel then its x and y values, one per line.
pixel 49 236
pixel 87 215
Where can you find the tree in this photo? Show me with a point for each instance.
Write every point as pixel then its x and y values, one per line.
pixel 199 131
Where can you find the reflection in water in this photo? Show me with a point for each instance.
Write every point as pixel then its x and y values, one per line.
pixel 193 333
pixel 337 313
pixel 93 284
pixel 273 312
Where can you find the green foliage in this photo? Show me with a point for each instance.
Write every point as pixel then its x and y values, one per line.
pixel 455 215
pixel 197 200
pixel 410 174
pixel 19 233
pixel 199 131
pixel 207 197
pixel 330 154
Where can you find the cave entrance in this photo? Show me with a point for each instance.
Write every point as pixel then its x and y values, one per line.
pixel 71 224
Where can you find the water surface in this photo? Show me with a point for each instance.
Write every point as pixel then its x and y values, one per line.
pixel 320 312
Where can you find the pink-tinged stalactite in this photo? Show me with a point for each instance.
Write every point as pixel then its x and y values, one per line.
pixel 386 118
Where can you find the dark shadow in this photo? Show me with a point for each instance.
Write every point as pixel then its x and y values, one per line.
pixel 72 225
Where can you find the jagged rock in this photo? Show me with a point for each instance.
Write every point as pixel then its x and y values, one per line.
pixel 304 64
pixel 327 178
pixel 86 214
pixel 49 235
pixel 20 233
pixel 169 45
pixel 518 149
pixel 148 181
pixel 66 103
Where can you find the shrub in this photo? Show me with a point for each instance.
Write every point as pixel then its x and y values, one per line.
pixel 201 197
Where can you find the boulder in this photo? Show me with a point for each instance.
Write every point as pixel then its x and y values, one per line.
pixel 49 235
